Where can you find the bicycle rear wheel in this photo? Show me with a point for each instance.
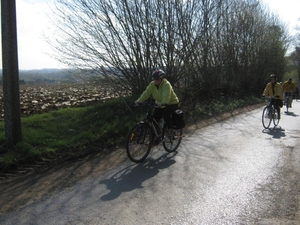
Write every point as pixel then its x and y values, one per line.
pixel 139 143
pixel 171 141
pixel 275 117
pixel 266 117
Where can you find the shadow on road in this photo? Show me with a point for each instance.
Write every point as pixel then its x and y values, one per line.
pixel 275 132
pixel 132 177
pixel 290 114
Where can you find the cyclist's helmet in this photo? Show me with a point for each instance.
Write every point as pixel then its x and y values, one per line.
pixel 158 74
pixel 273 76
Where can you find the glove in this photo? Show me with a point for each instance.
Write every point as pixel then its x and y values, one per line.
pixel 276 96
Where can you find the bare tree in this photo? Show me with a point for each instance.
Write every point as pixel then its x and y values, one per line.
pixel 237 39
pixel 131 37
pixel 204 45
pixel 295 55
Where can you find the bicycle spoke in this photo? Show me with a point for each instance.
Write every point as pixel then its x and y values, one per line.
pixel 172 140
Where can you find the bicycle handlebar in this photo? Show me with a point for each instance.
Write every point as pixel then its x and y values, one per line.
pixel 269 97
pixel 148 104
pixel 288 93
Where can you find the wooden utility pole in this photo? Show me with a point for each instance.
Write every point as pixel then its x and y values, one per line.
pixel 10 73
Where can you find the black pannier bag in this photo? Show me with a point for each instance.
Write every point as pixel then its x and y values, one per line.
pixel 177 119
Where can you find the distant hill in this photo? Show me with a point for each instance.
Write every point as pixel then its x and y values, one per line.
pixel 46 76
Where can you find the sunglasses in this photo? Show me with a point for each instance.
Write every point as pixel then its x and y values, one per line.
pixel 156 79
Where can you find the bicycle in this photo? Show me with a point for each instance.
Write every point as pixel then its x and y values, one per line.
pixel 270 114
pixel 148 133
pixel 288 100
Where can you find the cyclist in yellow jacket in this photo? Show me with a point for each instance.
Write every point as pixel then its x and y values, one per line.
pixel 289 88
pixel 273 89
pixel 165 98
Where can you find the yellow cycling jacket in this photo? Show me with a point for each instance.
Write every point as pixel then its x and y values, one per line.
pixel 164 93
pixel 288 87
pixel 276 92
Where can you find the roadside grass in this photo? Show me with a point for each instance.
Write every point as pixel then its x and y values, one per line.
pixel 71 131
pixel 65 130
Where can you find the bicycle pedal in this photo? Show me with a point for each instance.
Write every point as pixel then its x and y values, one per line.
pixel 147 145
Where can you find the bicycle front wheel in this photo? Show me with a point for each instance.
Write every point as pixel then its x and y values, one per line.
pixel 171 141
pixel 266 117
pixel 139 142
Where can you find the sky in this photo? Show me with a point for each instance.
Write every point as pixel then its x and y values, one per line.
pixel 287 10
pixel 32 22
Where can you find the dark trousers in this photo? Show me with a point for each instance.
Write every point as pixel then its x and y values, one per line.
pixel 165 113
pixel 275 102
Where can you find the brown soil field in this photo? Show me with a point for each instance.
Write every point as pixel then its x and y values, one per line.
pixel 44 98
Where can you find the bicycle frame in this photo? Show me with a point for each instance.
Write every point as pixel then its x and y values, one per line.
pixel 156 127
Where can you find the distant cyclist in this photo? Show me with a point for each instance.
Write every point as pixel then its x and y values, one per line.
pixel 288 88
pixel 274 89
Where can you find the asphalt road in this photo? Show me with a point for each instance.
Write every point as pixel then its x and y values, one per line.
pixel 231 172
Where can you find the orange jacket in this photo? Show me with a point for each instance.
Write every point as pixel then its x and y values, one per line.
pixel 288 87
